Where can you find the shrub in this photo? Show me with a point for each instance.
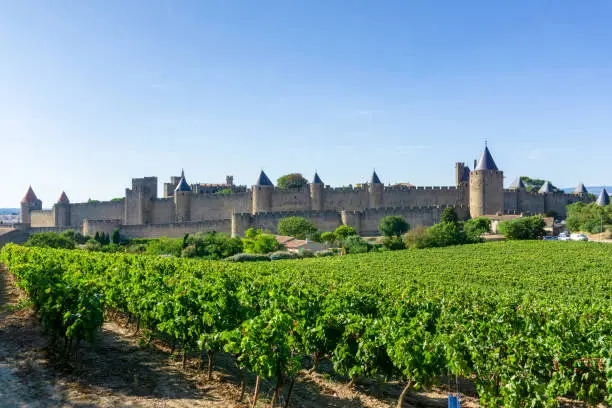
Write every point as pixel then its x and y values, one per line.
pixel 415 236
pixel 278 255
pixel 49 240
pixel 442 234
pixel 474 228
pixel 210 245
pixel 354 244
pixel 328 237
pixel 116 236
pixel 343 232
pixel 393 226
pixel 93 245
pixel 449 215
pixel 523 228
pixel 305 253
pixel 74 236
pixel 393 243
pixel 248 258
pixel 164 246
pixel 323 253
pixel 297 227
pixel 189 251
pixel 258 243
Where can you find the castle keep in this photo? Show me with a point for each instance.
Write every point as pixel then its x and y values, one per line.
pixel 187 208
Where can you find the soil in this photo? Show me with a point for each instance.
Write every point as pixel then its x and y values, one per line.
pixel 120 370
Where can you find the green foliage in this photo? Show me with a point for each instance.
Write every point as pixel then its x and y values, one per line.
pixel 278 255
pixel 225 191
pixel 210 245
pixel 475 227
pixel 116 199
pixel 588 217
pixel 116 237
pixel 441 235
pixel 343 232
pixel 76 237
pixel 393 243
pixel 292 180
pixel 256 242
pixel 415 237
pixel 297 227
pixel 526 329
pixel 523 228
pixel 393 226
pixel 354 244
pixel 50 240
pixel 93 245
pixel 90 201
pixel 449 215
pixel 245 257
pixel 323 253
pixel 328 237
pixel 164 246
pixel 533 185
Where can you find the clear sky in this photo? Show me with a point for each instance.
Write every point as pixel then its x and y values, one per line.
pixel 93 93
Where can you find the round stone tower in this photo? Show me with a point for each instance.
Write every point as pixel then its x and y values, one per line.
pixel 262 194
pixel 182 200
pixel 486 187
pixel 61 211
pixel 376 191
pixel 29 203
pixel 316 193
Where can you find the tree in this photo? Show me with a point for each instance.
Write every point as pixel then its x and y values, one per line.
pixel 523 228
pixel 354 244
pixel 297 227
pixel 533 185
pixel 474 228
pixel 49 240
pixel 116 237
pixel 393 226
pixel 328 237
pixel 449 216
pixel 344 231
pixel 293 180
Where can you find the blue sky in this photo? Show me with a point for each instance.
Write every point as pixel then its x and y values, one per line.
pixel 95 93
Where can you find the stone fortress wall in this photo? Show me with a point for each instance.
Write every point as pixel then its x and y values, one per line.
pixel 142 214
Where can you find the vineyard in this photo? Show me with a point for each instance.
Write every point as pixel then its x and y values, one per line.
pixel 525 322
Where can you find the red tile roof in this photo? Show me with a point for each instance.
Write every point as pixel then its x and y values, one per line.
pixel 63 198
pixel 30 196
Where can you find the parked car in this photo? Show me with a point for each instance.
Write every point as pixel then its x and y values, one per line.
pixel 549 238
pixel 578 237
pixel 563 237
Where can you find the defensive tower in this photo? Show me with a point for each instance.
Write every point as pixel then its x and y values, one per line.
pixel 486 187
pixel 61 211
pixel 182 200
pixel 316 193
pixel 376 191
pixel 262 194
pixel 29 203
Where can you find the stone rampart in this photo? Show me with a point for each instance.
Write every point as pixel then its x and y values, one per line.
pixel 174 230
pixel 105 210
pixel 42 218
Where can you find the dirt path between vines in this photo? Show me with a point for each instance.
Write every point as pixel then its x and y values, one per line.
pixel 119 372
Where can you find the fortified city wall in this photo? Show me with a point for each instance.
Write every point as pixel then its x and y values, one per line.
pixel 142 214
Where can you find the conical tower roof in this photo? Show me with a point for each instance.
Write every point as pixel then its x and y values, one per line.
pixel 546 188
pixel 316 179
pixel 486 161
pixel 182 184
pixel 375 179
pixel 63 199
pixel 263 180
pixel 581 189
pixel 517 183
pixel 603 199
pixel 30 196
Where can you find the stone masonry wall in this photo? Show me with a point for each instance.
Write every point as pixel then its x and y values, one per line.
pixel 106 210
pixel 174 230
pixel 43 218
